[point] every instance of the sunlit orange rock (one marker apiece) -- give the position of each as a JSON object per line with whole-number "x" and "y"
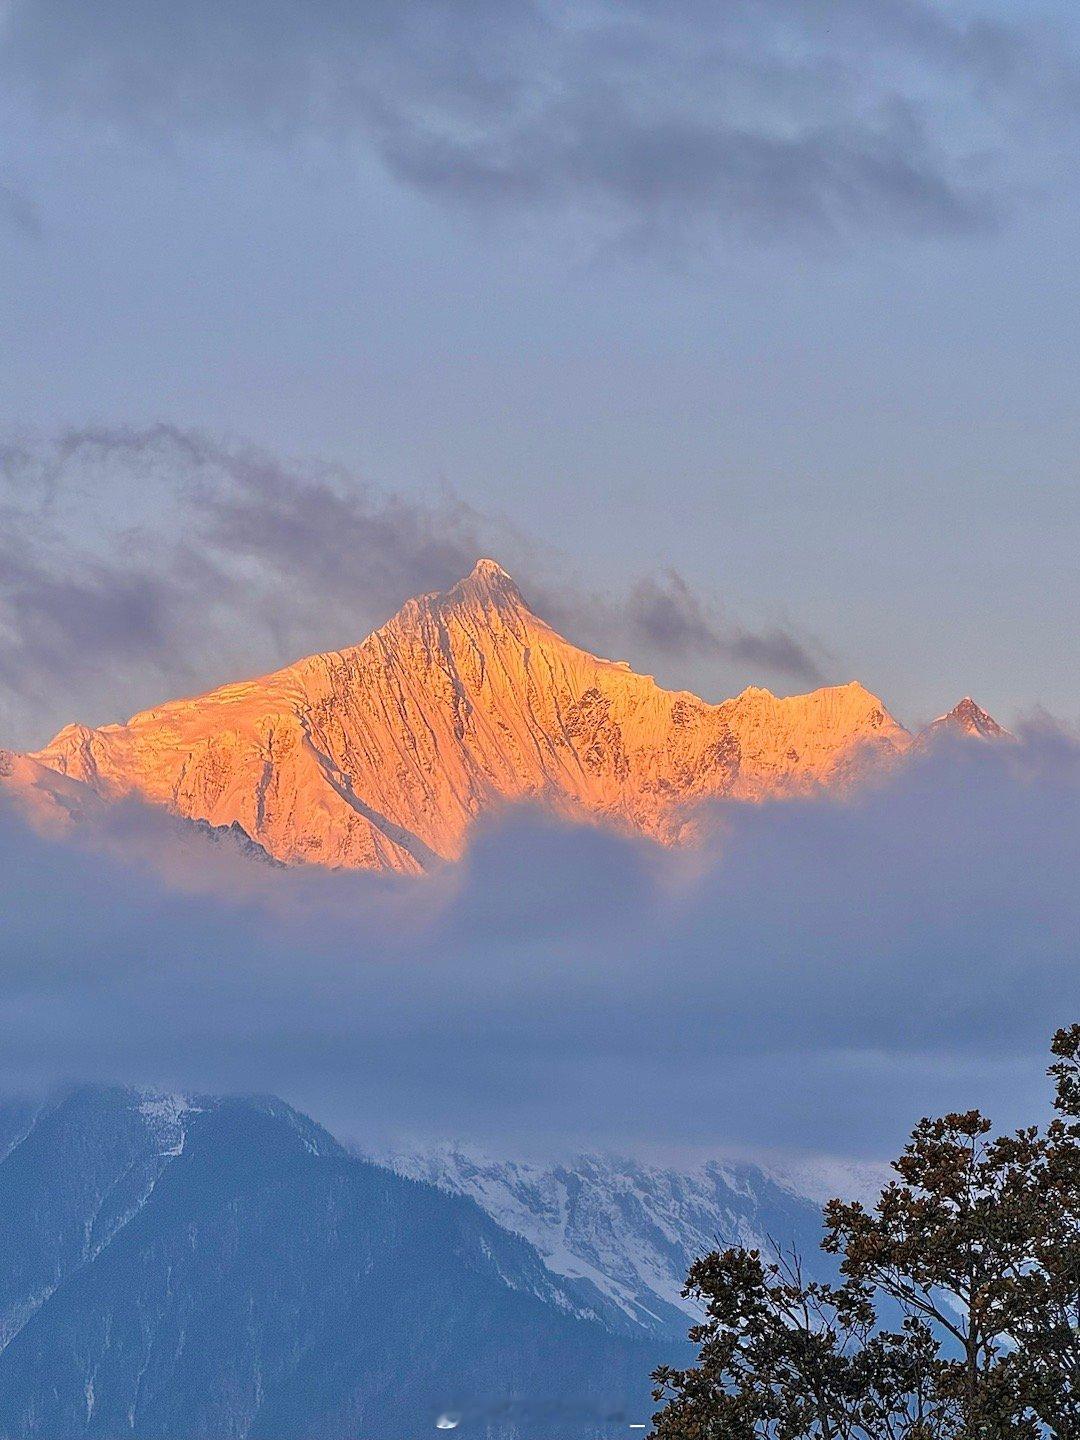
{"x": 382, "y": 755}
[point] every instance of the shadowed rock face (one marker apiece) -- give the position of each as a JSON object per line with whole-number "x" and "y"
{"x": 381, "y": 756}
{"x": 192, "y": 1268}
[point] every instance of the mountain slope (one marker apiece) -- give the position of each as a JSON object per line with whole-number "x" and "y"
{"x": 48, "y": 799}
{"x": 382, "y": 755}
{"x": 627, "y": 1230}
{"x": 58, "y": 805}
{"x": 200, "y": 1268}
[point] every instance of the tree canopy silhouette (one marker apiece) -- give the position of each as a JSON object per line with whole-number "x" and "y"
{"x": 972, "y": 1254}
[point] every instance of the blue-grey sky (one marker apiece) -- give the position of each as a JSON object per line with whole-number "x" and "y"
{"x": 760, "y": 315}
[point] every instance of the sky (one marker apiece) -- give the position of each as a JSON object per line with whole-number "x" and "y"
{"x": 759, "y": 316}
{"x": 745, "y": 337}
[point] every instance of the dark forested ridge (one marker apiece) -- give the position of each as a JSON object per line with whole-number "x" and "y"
{"x": 224, "y": 1268}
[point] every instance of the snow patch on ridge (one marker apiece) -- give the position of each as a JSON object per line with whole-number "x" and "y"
{"x": 165, "y": 1115}
{"x": 622, "y": 1228}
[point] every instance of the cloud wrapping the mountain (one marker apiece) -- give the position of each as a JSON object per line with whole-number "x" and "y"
{"x": 221, "y": 560}
{"x": 821, "y": 974}
{"x": 659, "y": 123}
{"x": 241, "y": 562}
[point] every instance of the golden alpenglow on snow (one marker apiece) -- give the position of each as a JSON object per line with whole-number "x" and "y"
{"x": 380, "y": 756}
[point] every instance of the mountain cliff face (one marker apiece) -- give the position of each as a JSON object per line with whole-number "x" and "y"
{"x": 191, "y": 1268}
{"x": 382, "y": 755}
{"x": 196, "y": 1266}
{"x": 55, "y": 804}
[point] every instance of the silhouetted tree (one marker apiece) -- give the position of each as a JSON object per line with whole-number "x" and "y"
{"x": 976, "y": 1246}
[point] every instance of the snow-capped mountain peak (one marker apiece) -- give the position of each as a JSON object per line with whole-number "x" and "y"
{"x": 382, "y": 755}
{"x": 967, "y": 718}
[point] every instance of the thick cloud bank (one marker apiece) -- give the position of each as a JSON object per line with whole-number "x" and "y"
{"x": 822, "y": 975}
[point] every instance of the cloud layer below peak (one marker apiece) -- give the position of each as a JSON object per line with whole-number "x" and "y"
{"x": 825, "y": 974}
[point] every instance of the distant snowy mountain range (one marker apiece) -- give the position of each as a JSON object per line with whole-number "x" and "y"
{"x": 186, "y": 1268}
{"x": 383, "y": 755}
{"x": 626, "y": 1230}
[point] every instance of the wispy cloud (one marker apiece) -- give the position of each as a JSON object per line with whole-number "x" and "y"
{"x": 670, "y": 617}
{"x": 659, "y": 122}
{"x": 242, "y": 561}
{"x": 239, "y": 561}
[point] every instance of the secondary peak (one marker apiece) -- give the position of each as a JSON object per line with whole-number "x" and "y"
{"x": 970, "y": 719}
